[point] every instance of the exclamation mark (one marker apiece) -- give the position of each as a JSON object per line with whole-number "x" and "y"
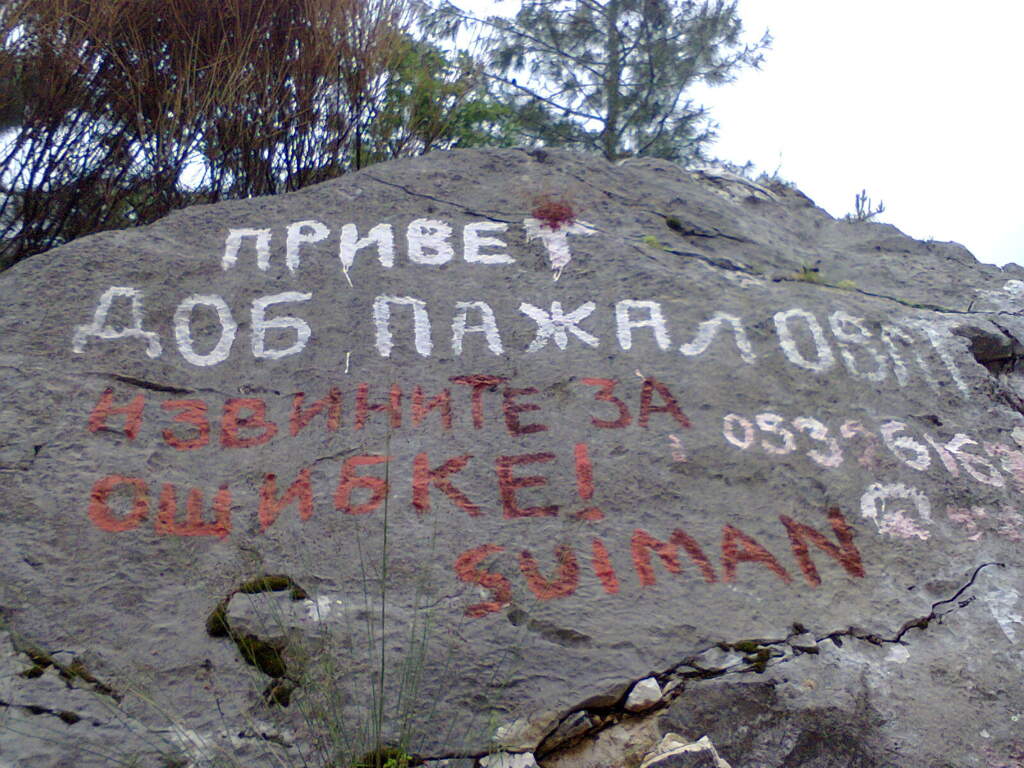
{"x": 585, "y": 483}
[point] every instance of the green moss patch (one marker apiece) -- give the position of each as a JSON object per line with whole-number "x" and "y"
{"x": 279, "y": 692}
{"x": 266, "y": 657}
{"x": 385, "y": 757}
{"x": 272, "y": 583}
{"x": 217, "y": 622}
{"x": 745, "y": 646}
{"x": 261, "y": 654}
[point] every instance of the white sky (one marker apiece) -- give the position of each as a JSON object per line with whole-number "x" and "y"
{"x": 917, "y": 101}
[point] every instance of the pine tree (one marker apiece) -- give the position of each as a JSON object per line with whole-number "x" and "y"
{"x": 612, "y": 75}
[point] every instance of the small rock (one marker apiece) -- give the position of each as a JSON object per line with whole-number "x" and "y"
{"x": 673, "y": 751}
{"x": 525, "y": 733}
{"x": 620, "y": 744}
{"x": 644, "y": 695}
{"x": 671, "y": 685}
{"x": 716, "y": 659}
{"x": 509, "y": 760}
{"x": 572, "y": 726}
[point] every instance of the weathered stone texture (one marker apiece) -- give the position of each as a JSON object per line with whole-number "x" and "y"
{"x": 535, "y": 428}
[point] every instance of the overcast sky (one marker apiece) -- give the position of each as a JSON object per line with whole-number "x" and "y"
{"x": 917, "y": 101}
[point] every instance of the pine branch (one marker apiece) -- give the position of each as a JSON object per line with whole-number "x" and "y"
{"x": 534, "y": 95}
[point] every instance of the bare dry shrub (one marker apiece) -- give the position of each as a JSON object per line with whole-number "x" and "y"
{"x": 108, "y": 102}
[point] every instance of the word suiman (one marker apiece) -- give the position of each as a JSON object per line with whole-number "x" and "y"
{"x": 736, "y": 547}
{"x": 894, "y": 351}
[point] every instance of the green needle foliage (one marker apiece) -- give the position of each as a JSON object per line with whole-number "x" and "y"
{"x": 611, "y": 75}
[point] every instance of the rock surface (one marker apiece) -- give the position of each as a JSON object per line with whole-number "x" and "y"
{"x": 494, "y": 436}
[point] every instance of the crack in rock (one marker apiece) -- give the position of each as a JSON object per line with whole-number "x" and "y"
{"x": 721, "y": 263}
{"x": 334, "y": 456}
{"x": 678, "y": 227}
{"x": 731, "y": 658}
{"x": 999, "y": 353}
{"x": 151, "y": 385}
{"x": 66, "y": 716}
{"x": 508, "y": 220}
{"x": 920, "y": 622}
{"x": 168, "y": 388}
{"x": 266, "y": 736}
{"x": 75, "y": 672}
{"x": 862, "y": 292}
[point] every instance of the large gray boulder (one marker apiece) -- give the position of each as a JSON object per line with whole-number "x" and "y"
{"x": 452, "y": 453}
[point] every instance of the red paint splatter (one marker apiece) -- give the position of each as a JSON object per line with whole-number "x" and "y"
{"x": 554, "y": 212}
